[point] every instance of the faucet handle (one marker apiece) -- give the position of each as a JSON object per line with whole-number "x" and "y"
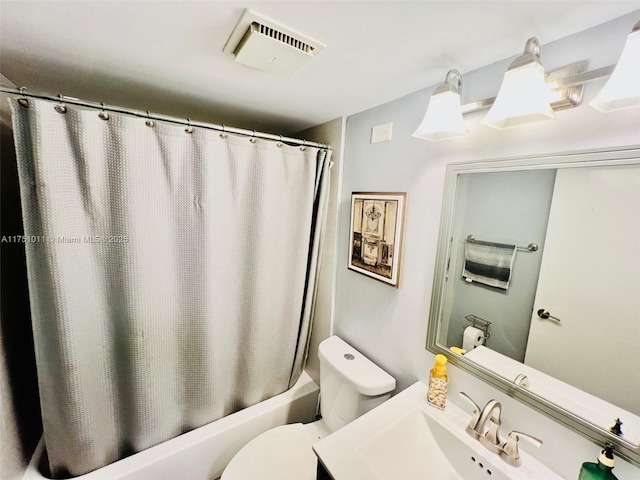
{"x": 475, "y": 416}
{"x": 510, "y": 451}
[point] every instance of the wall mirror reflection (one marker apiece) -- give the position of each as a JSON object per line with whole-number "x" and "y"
{"x": 538, "y": 281}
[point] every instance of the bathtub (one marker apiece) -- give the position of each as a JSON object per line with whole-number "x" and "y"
{"x": 203, "y": 453}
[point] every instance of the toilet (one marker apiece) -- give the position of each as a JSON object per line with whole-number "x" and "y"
{"x": 350, "y": 386}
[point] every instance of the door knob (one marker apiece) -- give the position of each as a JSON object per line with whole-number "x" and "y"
{"x": 544, "y": 314}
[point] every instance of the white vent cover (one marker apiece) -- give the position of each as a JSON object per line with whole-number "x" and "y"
{"x": 261, "y": 43}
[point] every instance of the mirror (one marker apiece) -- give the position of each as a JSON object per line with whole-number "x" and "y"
{"x": 537, "y": 276}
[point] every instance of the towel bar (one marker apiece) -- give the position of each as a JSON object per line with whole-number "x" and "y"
{"x": 532, "y": 247}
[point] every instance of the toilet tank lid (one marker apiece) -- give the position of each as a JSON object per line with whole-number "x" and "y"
{"x": 368, "y": 378}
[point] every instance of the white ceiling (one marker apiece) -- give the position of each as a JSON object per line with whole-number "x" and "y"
{"x": 166, "y": 56}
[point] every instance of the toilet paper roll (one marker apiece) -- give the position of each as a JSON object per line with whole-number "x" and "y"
{"x": 472, "y": 338}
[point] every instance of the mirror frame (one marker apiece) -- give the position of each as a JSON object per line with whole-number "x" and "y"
{"x": 619, "y": 156}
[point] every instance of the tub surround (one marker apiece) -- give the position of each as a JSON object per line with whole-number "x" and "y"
{"x": 203, "y": 453}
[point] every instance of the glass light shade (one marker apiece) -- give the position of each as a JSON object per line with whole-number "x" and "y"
{"x": 622, "y": 90}
{"x": 443, "y": 118}
{"x": 523, "y": 98}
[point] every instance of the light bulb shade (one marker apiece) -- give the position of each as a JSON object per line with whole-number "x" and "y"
{"x": 443, "y": 119}
{"x": 622, "y": 90}
{"x": 523, "y": 98}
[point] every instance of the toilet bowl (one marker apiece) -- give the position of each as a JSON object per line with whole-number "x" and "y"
{"x": 350, "y": 385}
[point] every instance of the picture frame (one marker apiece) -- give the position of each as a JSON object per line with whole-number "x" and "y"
{"x": 376, "y": 235}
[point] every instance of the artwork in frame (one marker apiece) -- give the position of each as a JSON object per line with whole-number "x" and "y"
{"x": 376, "y": 233}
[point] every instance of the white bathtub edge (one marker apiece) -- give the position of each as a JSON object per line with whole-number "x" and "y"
{"x": 203, "y": 453}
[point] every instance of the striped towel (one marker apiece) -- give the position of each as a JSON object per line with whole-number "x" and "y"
{"x": 488, "y": 263}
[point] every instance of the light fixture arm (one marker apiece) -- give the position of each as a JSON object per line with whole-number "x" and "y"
{"x": 532, "y": 46}
{"x": 585, "y": 77}
{"x": 447, "y": 86}
{"x": 531, "y": 54}
{"x": 455, "y": 73}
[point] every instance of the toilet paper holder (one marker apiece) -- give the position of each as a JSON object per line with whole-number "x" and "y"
{"x": 479, "y": 323}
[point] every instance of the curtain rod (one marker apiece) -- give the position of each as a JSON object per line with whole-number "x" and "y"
{"x": 163, "y": 118}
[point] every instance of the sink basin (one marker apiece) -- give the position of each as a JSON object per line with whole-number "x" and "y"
{"x": 406, "y": 438}
{"x": 417, "y": 447}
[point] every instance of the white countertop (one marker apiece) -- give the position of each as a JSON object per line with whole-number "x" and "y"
{"x": 339, "y": 451}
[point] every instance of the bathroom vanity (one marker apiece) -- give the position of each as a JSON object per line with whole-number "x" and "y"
{"x": 407, "y": 438}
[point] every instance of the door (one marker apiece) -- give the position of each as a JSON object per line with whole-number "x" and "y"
{"x": 590, "y": 275}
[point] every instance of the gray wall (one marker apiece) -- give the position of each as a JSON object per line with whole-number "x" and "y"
{"x": 503, "y": 207}
{"x": 389, "y": 325}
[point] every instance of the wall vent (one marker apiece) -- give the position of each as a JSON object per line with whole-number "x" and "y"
{"x": 263, "y": 44}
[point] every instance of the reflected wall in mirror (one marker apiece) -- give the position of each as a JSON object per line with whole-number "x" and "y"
{"x": 567, "y": 314}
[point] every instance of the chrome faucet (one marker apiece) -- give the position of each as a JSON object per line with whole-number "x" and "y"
{"x": 477, "y": 426}
{"x": 490, "y": 437}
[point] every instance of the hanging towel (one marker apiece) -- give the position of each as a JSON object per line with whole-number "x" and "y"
{"x": 488, "y": 263}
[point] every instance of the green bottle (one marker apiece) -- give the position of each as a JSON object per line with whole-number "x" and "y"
{"x": 600, "y": 470}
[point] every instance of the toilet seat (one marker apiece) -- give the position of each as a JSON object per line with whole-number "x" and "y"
{"x": 282, "y": 453}
{"x": 351, "y": 385}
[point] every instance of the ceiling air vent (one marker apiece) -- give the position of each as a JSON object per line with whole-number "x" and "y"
{"x": 279, "y": 36}
{"x": 263, "y": 44}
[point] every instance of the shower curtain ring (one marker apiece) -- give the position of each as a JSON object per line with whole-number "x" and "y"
{"x": 189, "y": 128}
{"x": 60, "y": 108}
{"x": 223, "y": 134}
{"x": 303, "y": 147}
{"x": 149, "y": 123}
{"x": 253, "y": 137}
{"x": 23, "y": 100}
{"x": 103, "y": 115}
{"x": 279, "y": 144}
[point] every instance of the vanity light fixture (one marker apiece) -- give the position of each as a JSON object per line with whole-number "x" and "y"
{"x": 443, "y": 118}
{"x": 622, "y": 90}
{"x": 527, "y": 95}
{"x": 524, "y": 96}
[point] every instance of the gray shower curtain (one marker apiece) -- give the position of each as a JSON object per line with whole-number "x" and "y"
{"x": 171, "y": 275}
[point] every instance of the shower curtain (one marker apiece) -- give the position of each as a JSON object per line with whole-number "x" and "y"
{"x": 171, "y": 275}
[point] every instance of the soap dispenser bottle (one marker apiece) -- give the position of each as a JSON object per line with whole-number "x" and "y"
{"x": 600, "y": 470}
{"x": 438, "y": 383}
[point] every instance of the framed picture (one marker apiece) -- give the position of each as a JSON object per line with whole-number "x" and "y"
{"x": 375, "y": 240}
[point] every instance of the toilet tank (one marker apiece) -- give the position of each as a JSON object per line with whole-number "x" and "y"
{"x": 350, "y": 383}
